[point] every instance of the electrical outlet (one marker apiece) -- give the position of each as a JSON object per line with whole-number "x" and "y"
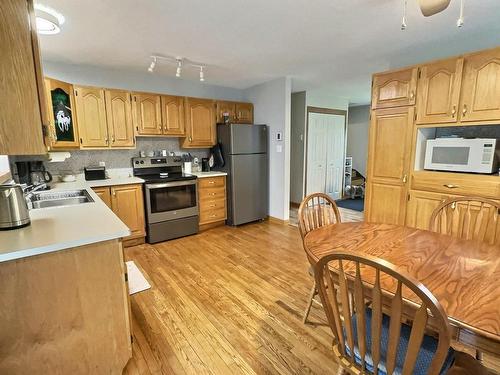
{"x": 102, "y": 164}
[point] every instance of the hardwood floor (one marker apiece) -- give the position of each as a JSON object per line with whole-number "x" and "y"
{"x": 228, "y": 301}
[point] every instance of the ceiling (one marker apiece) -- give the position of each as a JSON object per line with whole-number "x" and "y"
{"x": 334, "y": 43}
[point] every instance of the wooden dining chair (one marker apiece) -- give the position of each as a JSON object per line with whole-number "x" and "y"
{"x": 471, "y": 218}
{"x": 315, "y": 211}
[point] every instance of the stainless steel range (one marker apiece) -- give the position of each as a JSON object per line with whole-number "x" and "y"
{"x": 170, "y": 198}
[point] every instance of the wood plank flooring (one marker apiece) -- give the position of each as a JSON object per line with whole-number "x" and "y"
{"x": 229, "y": 301}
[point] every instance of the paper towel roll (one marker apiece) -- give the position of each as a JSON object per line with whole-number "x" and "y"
{"x": 55, "y": 157}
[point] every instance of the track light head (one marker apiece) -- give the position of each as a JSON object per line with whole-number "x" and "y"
{"x": 179, "y": 68}
{"x": 202, "y": 74}
{"x": 152, "y": 66}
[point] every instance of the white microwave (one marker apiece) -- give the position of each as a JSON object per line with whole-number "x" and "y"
{"x": 475, "y": 155}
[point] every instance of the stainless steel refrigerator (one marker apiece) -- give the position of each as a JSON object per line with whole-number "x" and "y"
{"x": 244, "y": 150}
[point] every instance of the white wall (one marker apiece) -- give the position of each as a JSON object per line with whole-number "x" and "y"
{"x": 357, "y": 136}
{"x": 297, "y": 147}
{"x": 136, "y": 80}
{"x": 324, "y": 98}
{"x": 272, "y": 106}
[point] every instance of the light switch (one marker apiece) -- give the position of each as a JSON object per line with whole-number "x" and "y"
{"x": 279, "y": 148}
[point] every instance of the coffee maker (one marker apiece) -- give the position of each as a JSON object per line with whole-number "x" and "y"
{"x": 32, "y": 172}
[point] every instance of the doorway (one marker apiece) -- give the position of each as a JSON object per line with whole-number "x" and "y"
{"x": 325, "y": 151}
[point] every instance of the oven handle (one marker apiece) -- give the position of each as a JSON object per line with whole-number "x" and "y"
{"x": 170, "y": 184}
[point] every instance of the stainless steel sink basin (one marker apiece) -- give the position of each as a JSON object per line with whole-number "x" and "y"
{"x": 58, "y": 198}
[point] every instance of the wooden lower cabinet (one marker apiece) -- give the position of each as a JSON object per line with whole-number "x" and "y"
{"x": 212, "y": 200}
{"x": 421, "y": 205}
{"x": 127, "y": 203}
{"x": 65, "y": 312}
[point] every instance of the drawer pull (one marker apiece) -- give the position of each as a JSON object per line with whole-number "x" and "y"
{"x": 213, "y": 194}
{"x": 451, "y": 186}
{"x": 213, "y": 205}
{"x": 214, "y": 215}
{"x": 211, "y": 182}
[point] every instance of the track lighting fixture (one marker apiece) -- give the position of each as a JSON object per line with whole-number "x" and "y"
{"x": 179, "y": 68}
{"x": 432, "y": 7}
{"x": 180, "y": 63}
{"x": 403, "y": 20}
{"x": 460, "y": 21}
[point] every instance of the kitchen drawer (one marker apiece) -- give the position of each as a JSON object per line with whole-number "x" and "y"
{"x": 212, "y": 215}
{"x": 211, "y": 182}
{"x": 212, "y": 204}
{"x": 211, "y": 193}
{"x": 457, "y": 183}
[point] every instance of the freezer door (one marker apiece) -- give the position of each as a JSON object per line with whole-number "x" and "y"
{"x": 248, "y": 139}
{"x": 248, "y": 188}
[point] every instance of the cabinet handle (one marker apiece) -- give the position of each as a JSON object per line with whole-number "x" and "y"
{"x": 454, "y": 111}
{"x": 113, "y": 139}
{"x": 214, "y": 215}
{"x": 211, "y": 182}
{"x": 464, "y": 110}
{"x": 212, "y": 205}
{"x": 212, "y": 194}
{"x": 190, "y": 139}
{"x": 412, "y": 94}
{"x": 114, "y": 193}
{"x": 451, "y": 186}
{"x": 405, "y": 178}
{"x": 106, "y": 140}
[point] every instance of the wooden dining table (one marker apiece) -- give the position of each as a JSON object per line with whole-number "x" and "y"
{"x": 463, "y": 275}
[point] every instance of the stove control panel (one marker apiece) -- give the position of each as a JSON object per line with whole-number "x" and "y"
{"x": 161, "y": 161}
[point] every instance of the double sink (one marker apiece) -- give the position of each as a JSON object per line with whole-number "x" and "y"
{"x": 44, "y": 199}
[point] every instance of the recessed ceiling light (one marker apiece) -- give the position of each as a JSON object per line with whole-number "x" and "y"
{"x": 48, "y": 20}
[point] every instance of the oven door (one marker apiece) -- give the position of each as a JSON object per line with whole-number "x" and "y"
{"x": 171, "y": 200}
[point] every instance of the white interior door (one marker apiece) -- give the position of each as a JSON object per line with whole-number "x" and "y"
{"x": 325, "y": 154}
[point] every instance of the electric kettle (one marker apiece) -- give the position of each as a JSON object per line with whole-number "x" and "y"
{"x": 14, "y": 211}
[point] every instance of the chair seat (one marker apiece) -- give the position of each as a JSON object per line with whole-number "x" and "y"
{"x": 425, "y": 355}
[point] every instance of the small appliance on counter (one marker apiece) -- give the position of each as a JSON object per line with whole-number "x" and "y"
{"x": 93, "y": 173}
{"x": 205, "y": 166}
{"x": 32, "y": 173}
{"x": 14, "y": 211}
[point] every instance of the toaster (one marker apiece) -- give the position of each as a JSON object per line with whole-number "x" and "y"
{"x": 95, "y": 173}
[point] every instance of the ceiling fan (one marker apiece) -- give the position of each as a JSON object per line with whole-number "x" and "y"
{"x": 432, "y": 7}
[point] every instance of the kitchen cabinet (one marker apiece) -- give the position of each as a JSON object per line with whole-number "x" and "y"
{"x": 172, "y": 114}
{"x": 244, "y": 113}
{"x": 200, "y": 123}
{"x": 63, "y": 128}
{"x": 394, "y": 89}
{"x": 389, "y": 149}
{"x": 22, "y": 94}
{"x": 119, "y": 118}
{"x": 127, "y": 203}
{"x": 222, "y": 107}
{"x": 438, "y": 92}
{"x": 421, "y": 205}
{"x": 481, "y": 87}
{"x": 212, "y": 200}
{"x": 146, "y": 110}
{"x": 91, "y": 114}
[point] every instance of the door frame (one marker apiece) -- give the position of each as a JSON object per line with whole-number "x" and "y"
{"x": 325, "y": 111}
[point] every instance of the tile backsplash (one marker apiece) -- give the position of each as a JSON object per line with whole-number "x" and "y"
{"x": 113, "y": 158}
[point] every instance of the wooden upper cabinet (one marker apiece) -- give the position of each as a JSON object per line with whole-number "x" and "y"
{"x": 225, "y": 107}
{"x": 147, "y": 114}
{"x": 200, "y": 123}
{"x": 394, "y": 89}
{"x": 22, "y": 97}
{"x": 119, "y": 118}
{"x": 63, "y": 129}
{"x": 244, "y": 113}
{"x": 438, "y": 93}
{"x": 91, "y": 114}
{"x": 481, "y": 87}
{"x": 127, "y": 204}
{"x": 388, "y": 165}
{"x": 172, "y": 114}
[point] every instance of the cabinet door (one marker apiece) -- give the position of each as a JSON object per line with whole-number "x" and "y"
{"x": 226, "y": 107}
{"x": 127, "y": 204}
{"x": 421, "y": 205}
{"x": 172, "y": 113}
{"x": 119, "y": 118}
{"x": 91, "y": 114}
{"x": 104, "y": 193}
{"x": 62, "y": 117}
{"x": 388, "y": 164}
{"x": 21, "y": 83}
{"x": 439, "y": 91}
{"x": 200, "y": 123}
{"x": 147, "y": 114}
{"x": 244, "y": 113}
{"x": 394, "y": 89}
{"x": 481, "y": 87}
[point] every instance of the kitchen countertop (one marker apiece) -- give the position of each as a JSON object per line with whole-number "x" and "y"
{"x": 58, "y": 228}
{"x": 209, "y": 174}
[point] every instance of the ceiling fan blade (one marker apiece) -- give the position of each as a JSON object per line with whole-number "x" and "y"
{"x": 431, "y": 7}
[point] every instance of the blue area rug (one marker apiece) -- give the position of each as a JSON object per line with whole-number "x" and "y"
{"x": 357, "y": 204}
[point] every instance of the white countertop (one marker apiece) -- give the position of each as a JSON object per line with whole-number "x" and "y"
{"x": 209, "y": 174}
{"x": 58, "y": 228}
{"x": 119, "y": 176}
